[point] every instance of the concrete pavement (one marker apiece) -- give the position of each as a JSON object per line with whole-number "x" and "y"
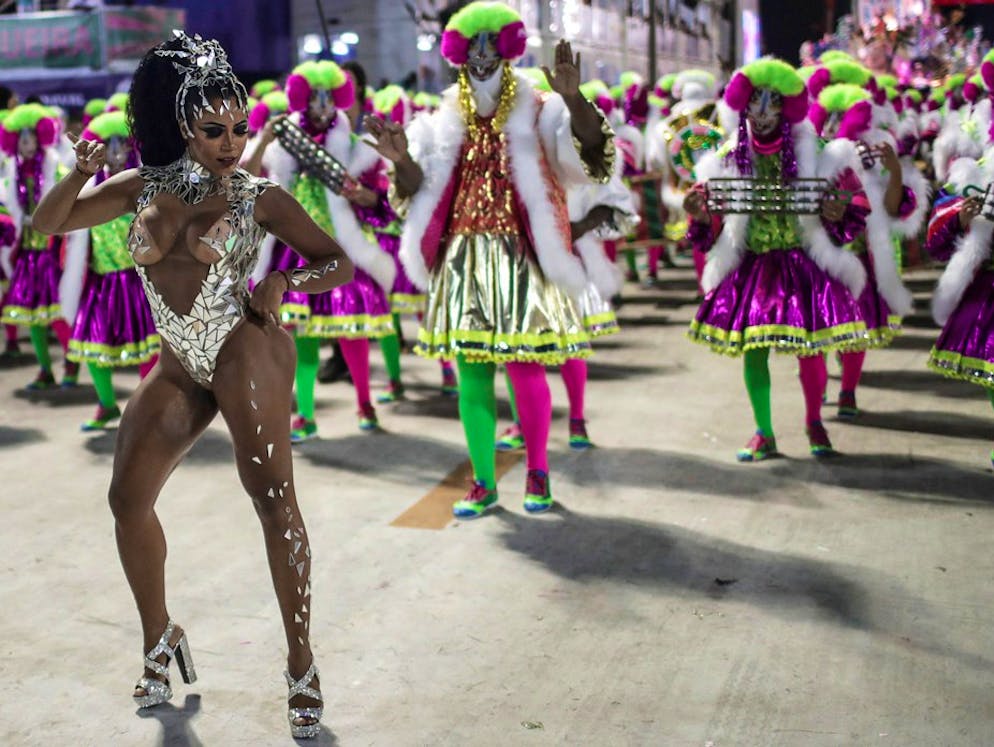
{"x": 675, "y": 597}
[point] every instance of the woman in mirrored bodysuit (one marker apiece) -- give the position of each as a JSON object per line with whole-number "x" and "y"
{"x": 195, "y": 239}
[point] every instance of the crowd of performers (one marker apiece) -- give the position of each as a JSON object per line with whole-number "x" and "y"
{"x": 495, "y": 214}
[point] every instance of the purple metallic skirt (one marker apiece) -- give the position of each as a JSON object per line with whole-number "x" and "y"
{"x": 965, "y": 348}
{"x": 405, "y": 298}
{"x": 33, "y": 295}
{"x": 780, "y": 300}
{"x": 359, "y": 309}
{"x": 114, "y": 324}
{"x": 882, "y": 326}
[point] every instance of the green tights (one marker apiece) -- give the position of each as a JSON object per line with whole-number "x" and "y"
{"x": 478, "y": 413}
{"x": 39, "y": 340}
{"x": 101, "y": 376}
{"x": 390, "y": 346}
{"x": 757, "y": 381}
{"x": 308, "y": 362}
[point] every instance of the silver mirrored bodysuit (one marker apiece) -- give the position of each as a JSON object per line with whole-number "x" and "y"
{"x": 196, "y": 337}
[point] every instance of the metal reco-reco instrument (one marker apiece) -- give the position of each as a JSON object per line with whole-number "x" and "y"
{"x": 312, "y": 157}
{"x": 750, "y": 196}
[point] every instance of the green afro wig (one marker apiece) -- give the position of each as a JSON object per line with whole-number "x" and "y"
{"x": 94, "y": 107}
{"x": 594, "y": 88}
{"x": 840, "y": 97}
{"x": 834, "y": 55}
{"x": 777, "y": 75}
{"x": 118, "y": 101}
{"x": 482, "y": 17}
{"x": 108, "y": 125}
{"x": 261, "y": 87}
{"x": 26, "y": 117}
{"x": 322, "y": 75}
{"x": 848, "y": 71}
{"x": 957, "y": 80}
{"x": 537, "y": 78}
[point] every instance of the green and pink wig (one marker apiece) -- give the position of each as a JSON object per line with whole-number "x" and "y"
{"x": 118, "y": 102}
{"x": 987, "y": 70}
{"x": 105, "y": 127}
{"x": 852, "y": 103}
{"x": 34, "y": 117}
{"x": 776, "y": 75}
{"x": 597, "y": 92}
{"x": 261, "y": 87}
{"x": 322, "y": 75}
{"x": 270, "y": 105}
{"x": 93, "y": 108}
{"x": 393, "y": 104}
{"x": 484, "y": 18}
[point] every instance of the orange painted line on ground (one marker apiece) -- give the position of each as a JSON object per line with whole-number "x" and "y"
{"x": 434, "y": 509}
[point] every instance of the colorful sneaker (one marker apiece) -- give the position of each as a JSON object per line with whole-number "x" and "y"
{"x": 394, "y": 393}
{"x": 450, "y": 386}
{"x": 578, "y": 438}
{"x": 302, "y": 429}
{"x": 847, "y": 405}
{"x": 818, "y": 440}
{"x": 759, "y": 448}
{"x": 511, "y": 439}
{"x": 44, "y": 380}
{"x": 477, "y": 502}
{"x": 104, "y": 417}
{"x": 367, "y": 418}
{"x": 70, "y": 378}
{"x": 538, "y": 496}
{"x": 650, "y": 281}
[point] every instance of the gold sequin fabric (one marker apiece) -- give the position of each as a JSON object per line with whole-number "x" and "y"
{"x": 484, "y": 201}
{"x": 196, "y": 337}
{"x": 489, "y": 301}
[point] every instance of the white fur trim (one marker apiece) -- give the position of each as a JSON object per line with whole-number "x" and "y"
{"x": 913, "y": 179}
{"x": 878, "y": 243}
{"x": 632, "y": 135}
{"x": 74, "y": 274}
{"x": 435, "y": 140}
{"x": 6, "y": 252}
{"x": 11, "y": 201}
{"x": 972, "y": 249}
{"x": 605, "y": 275}
{"x": 551, "y": 247}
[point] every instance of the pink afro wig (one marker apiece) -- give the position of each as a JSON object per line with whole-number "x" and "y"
{"x": 819, "y": 79}
{"x": 987, "y": 73}
{"x": 258, "y": 116}
{"x": 511, "y": 42}
{"x": 855, "y": 121}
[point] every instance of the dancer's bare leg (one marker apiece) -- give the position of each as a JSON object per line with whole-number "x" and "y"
{"x": 163, "y": 419}
{"x": 253, "y": 385}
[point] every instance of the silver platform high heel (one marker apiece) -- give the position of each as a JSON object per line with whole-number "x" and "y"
{"x": 158, "y": 691}
{"x": 302, "y": 687}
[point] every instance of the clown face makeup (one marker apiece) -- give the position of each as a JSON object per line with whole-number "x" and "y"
{"x": 483, "y": 59}
{"x": 116, "y": 155}
{"x": 831, "y": 127}
{"x": 763, "y": 112}
{"x": 321, "y": 109}
{"x": 27, "y": 144}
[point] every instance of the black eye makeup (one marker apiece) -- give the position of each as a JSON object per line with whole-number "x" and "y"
{"x": 241, "y": 128}
{"x": 212, "y": 131}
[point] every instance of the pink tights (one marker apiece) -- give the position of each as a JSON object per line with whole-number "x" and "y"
{"x": 814, "y": 379}
{"x": 144, "y": 369}
{"x": 356, "y": 353}
{"x": 574, "y": 373}
{"x": 852, "y": 369}
{"x": 62, "y": 331}
{"x": 531, "y": 391}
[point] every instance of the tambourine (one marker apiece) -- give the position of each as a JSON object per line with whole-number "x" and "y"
{"x": 688, "y": 137}
{"x": 746, "y": 196}
{"x": 312, "y": 157}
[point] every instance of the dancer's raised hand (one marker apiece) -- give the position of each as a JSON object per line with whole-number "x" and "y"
{"x": 390, "y": 140}
{"x": 564, "y": 79}
{"x": 90, "y": 155}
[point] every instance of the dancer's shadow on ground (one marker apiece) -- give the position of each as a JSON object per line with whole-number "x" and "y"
{"x": 9, "y": 362}
{"x": 923, "y": 380}
{"x": 673, "y": 471}
{"x": 177, "y": 727}
{"x": 895, "y": 477}
{"x": 19, "y": 436}
{"x": 911, "y": 342}
{"x": 81, "y": 394}
{"x": 934, "y": 422}
{"x": 598, "y": 370}
{"x": 392, "y": 456}
{"x": 584, "y": 548}
{"x": 213, "y": 447}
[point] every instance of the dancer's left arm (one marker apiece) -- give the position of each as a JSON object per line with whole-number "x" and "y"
{"x": 845, "y": 219}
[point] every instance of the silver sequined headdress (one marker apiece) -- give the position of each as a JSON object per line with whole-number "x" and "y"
{"x": 202, "y": 64}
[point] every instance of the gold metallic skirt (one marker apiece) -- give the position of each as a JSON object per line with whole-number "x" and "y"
{"x": 490, "y": 302}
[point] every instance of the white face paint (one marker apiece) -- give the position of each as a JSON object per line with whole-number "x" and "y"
{"x": 483, "y": 57}
{"x": 116, "y": 155}
{"x": 764, "y": 111}
{"x": 27, "y": 144}
{"x": 321, "y": 109}
{"x": 486, "y": 92}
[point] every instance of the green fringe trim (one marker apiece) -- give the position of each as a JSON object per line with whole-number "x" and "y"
{"x": 356, "y": 327}
{"x": 115, "y": 356}
{"x": 25, "y": 317}
{"x": 956, "y": 366}
{"x": 780, "y": 337}
{"x": 479, "y": 345}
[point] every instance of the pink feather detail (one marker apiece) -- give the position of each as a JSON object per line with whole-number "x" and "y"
{"x": 795, "y": 108}
{"x": 817, "y": 115}
{"x": 738, "y": 92}
{"x": 987, "y": 73}
{"x": 818, "y": 81}
{"x": 856, "y": 121}
{"x": 258, "y": 116}
{"x": 344, "y": 95}
{"x": 47, "y": 130}
{"x": 298, "y": 93}
{"x": 511, "y": 41}
{"x": 455, "y": 47}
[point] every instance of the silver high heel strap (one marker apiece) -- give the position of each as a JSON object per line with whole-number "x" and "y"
{"x": 162, "y": 647}
{"x": 302, "y": 686}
